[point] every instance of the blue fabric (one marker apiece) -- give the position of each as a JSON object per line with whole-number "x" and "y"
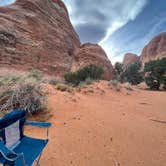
{"x": 11, "y": 118}
{"x": 6, "y": 153}
{"x": 38, "y": 124}
{"x": 31, "y": 148}
{"x": 2, "y": 136}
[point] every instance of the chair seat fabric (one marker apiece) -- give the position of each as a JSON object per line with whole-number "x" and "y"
{"x": 31, "y": 148}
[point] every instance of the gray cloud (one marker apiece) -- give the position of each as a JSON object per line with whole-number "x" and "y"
{"x": 103, "y": 17}
{"x": 96, "y": 20}
{"x": 90, "y": 33}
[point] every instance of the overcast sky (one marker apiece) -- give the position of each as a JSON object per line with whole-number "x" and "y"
{"x": 119, "y": 26}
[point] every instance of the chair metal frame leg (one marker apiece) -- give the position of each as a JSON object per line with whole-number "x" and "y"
{"x": 23, "y": 159}
{"x": 38, "y": 160}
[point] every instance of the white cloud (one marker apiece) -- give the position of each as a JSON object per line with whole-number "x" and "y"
{"x": 107, "y": 16}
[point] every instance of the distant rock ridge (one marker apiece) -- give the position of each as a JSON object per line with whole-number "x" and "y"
{"x": 38, "y": 34}
{"x": 129, "y": 59}
{"x": 155, "y": 49}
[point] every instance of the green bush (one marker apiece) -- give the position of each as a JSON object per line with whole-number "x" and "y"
{"x": 91, "y": 72}
{"x": 164, "y": 83}
{"x": 118, "y": 68}
{"x": 156, "y": 73}
{"x": 132, "y": 74}
{"x": 152, "y": 82}
{"x": 72, "y": 78}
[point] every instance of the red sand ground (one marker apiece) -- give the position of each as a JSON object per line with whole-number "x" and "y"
{"x": 102, "y": 127}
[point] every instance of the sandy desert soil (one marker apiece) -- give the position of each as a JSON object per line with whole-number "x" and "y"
{"x": 102, "y": 127}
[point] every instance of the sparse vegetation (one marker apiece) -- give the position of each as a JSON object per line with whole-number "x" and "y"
{"x": 22, "y": 92}
{"x": 128, "y": 86}
{"x": 8, "y": 80}
{"x": 164, "y": 83}
{"x": 132, "y": 74}
{"x": 88, "y": 81}
{"x": 54, "y": 82}
{"x": 90, "y": 72}
{"x": 35, "y": 74}
{"x": 155, "y": 74}
{"x": 152, "y": 82}
{"x": 23, "y": 96}
{"x": 116, "y": 84}
{"x": 64, "y": 88}
{"x": 118, "y": 70}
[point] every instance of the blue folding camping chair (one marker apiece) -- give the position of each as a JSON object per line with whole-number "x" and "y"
{"x": 16, "y": 149}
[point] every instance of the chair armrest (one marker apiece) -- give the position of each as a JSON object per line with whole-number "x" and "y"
{"x": 38, "y": 124}
{"x": 7, "y": 154}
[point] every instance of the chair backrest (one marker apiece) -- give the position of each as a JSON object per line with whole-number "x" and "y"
{"x": 11, "y": 127}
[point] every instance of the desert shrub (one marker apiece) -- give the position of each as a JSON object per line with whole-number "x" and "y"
{"x": 64, "y": 88}
{"x": 88, "y": 81}
{"x": 36, "y": 74}
{"x": 157, "y": 67}
{"x": 23, "y": 96}
{"x": 72, "y": 78}
{"x": 132, "y": 74}
{"x": 118, "y": 68}
{"x": 9, "y": 80}
{"x": 155, "y": 73}
{"x": 152, "y": 82}
{"x": 116, "y": 84}
{"x": 127, "y": 86}
{"x": 54, "y": 82}
{"x": 92, "y": 72}
{"x": 164, "y": 83}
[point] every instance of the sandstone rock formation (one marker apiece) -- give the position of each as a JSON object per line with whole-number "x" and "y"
{"x": 156, "y": 49}
{"x": 93, "y": 54}
{"x": 38, "y": 34}
{"x": 130, "y": 58}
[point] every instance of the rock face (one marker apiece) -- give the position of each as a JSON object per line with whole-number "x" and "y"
{"x": 38, "y": 34}
{"x": 130, "y": 58}
{"x": 156, "y": 49}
